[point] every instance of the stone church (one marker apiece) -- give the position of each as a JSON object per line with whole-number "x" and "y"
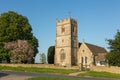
{"x": 69, "y": 52}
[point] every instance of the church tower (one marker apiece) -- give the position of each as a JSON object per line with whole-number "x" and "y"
{"x": 66, "y": 42}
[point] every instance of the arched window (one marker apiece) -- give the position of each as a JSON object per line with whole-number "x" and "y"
{"x": 62, "y": 55}
{"x": 63, "y": 30}
{"x": 82, "y": 60}
{"x": 85, "y": 59}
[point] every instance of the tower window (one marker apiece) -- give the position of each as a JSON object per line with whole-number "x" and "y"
{"x": 83, "y": 50}
{"x": 73, "y": 29}
{"x": 63, "y": 29}
{"x": 62, "y": 40}
{"x": 62, "y": 56}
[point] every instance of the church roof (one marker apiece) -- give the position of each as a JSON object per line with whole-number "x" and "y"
{"x": 96, "y": 49}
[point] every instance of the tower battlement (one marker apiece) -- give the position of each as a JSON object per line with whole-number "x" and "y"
{"x": 66, "y": 20}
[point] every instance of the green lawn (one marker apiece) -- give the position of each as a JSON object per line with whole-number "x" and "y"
{"x": 100, "y": 74}
{"x": 46, "y": 78}
{"x": 35, "y": 69}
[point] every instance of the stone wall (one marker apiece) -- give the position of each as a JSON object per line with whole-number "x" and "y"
{"x": 111, "y": 69}
{"x": 40, "y": 66}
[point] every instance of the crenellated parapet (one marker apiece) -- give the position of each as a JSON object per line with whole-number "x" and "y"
{"x": 66, "y": 20}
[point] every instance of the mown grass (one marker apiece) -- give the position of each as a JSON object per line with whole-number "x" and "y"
{"x": 48, "y": 78}
{"x": 100, "y": 74}
{"x": 42, "y": 70}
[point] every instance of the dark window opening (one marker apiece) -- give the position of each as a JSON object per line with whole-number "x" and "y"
{"x": 63, "y": 29}
{"x": 83, "y": 50}
{"x": 62, "y": 40}
{"x": 82, "y": 60}
{"x": 73, "y": 29}
{"x": 85, "y": 59}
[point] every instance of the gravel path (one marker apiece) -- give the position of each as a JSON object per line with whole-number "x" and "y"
{"x": 75, "y": 74}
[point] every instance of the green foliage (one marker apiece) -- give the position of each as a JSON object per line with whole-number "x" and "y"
{"x": 13, "y": 27}
{"x": 42, "y": 58}
{"x": 100, "y": 74}
{"x": 4, "y": 54}
{"x": 113, "y": 59}
{"x": 34, "y": 42}
{"x": 51, "y": 53}
{"x": 114, "y": 56}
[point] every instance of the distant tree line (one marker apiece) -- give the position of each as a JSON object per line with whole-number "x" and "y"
{"x": 17, "y": 42}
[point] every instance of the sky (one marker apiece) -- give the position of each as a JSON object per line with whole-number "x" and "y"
{"x": 98, "y": 20}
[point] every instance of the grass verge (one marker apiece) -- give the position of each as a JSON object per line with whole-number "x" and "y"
{"x": 100, "y": 74}
{"x": 46, "y": 78}
{"x": 42, "y": 70}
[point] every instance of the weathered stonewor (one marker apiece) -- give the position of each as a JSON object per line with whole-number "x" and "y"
{"x": 40, "y": 66}
{"x": 111, "y": 69}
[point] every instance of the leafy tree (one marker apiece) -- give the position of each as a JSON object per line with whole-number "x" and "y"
{"x": 43, "y": 58}
{"x": 114, "y": 56}
{"x": 51, "y": 53}
{"x": 13, "y": 27}
{"x": 4, "y": 54}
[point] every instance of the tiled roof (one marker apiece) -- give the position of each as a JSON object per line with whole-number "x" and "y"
{"x": 96, "y": 49}
{"x": 101, "y": 57}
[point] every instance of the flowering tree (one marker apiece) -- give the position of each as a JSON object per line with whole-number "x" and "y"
{"x": 21, "y": 51}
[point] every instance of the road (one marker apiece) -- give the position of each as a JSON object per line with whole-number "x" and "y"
{"x": 12, "y": 75}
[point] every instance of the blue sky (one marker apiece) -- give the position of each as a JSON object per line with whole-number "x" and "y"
{"x": 97, "y": 19}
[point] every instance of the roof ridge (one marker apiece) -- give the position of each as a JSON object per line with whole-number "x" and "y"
{"x": 94, "y": 45}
